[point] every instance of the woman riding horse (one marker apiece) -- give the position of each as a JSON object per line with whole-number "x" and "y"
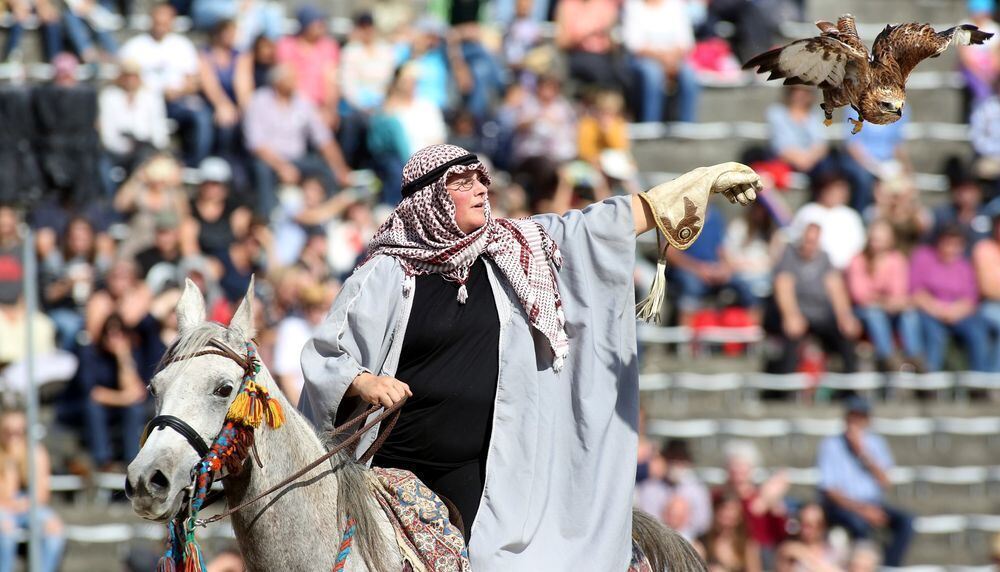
{"x": 515, "y": 340}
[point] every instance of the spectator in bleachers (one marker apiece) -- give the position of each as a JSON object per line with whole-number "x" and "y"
{"x": 71, "y": 269}
{"x": 659, "y": 37}
{"x": 367, "y": 64}
{"x": 878, "y": 282}
{"x": 256, "y": 63}
{"x": 302, "y": 212}
{"x": 750, "y": 246}
{"x": 132, "y": 122}
{"x": 524, "y": 41}
{"x": 124, "y": 296}
{"x": 292, "y": 334}
{"x": 810, "y": 550}
{"x": 216, "y": 216}
{"x": 669, "y": 476}
{"x": 159, "y": 261}
{"x": 169, "y": 63}
{"x": 49, "y": 25}
{"x": 279, "y": 124}
{"x": 853, "y": 478}
{"x": 755, "y": 27}
{"x": 728, "y": 545}
{"x": 965, "y": 206}
{"x": 865, "y": 557}
{"x": 986, "y": 259}
{"x": 253, "y": 18}
{"x": 603, "y": 127}
{"x": 984, "y": 133}
{"x": 220, "y": 77}
{"x": 872, "y": 155}
{"x": 843, "y": 235}
{"x": 484, "y": 75}
{"x": 545, "y": 123}
{"x": 980, "y": 64}
{"x": 796, "y": 131}
{"x": 112, "y": 390}
{"x": 704, "y": 268}
{"x": 763, "y": 505}
{"x": 437, "y": 61}
{"x": 227, "y": 560}
{"x": 810, "y": 297}
{"x": 421, "y": 120}
{"x": 14, "y": 501}
{"x": 89, "y": 22}
{"x": 314, "y": 56}
{"x": 944, "y": 290}
{"x": 153, "y": 189}
{"x": 897, "y": 203}
{"x": 583, "y": 32}
{"x": 349, "y": 237}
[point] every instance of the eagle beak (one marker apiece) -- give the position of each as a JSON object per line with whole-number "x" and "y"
{"x": 899, "y": 111}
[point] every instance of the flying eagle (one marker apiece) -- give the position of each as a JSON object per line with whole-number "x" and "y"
{"x": 873, "y": 84}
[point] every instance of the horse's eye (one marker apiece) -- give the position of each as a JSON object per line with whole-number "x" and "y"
{"x": 150, "y": 389}
{"x": 223, "y": 390}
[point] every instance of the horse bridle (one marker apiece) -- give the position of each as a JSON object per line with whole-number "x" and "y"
{"x": 177, "y": 424}
{"x": 389, "y": 414}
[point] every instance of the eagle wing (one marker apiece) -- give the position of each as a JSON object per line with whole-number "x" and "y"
{"x": 907, "y": 45}
{"x": 824, "y": 61}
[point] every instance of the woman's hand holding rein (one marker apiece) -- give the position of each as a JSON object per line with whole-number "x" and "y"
{"x": 378, "y": 389}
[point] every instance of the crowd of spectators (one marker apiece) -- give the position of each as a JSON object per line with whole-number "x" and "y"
{"x": 239, "y": 149}
{"x": 750, "y": 523}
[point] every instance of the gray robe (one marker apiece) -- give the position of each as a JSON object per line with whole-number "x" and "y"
{"x": 561, "y": 461}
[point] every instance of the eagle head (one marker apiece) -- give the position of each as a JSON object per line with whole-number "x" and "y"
{"x": 882, "y": 104}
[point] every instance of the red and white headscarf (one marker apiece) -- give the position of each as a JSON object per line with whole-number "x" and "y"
{"x": 423, "y": 235}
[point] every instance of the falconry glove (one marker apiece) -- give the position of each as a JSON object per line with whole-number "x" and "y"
{"x": 679, "y": 208}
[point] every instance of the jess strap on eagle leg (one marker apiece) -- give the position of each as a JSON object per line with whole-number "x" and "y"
{"x": 679, "y": 208}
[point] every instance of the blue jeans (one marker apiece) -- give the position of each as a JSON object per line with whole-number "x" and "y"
{"x": 52, "y": 544}
{"x": 652, "y": 84}
{"x": 99, "y": 419}
{"x": 486, "y": 78}
{"x": 264, "y": 18}
{"x": 862, "y": 183}
{"x": 68, "y": 323}
{"x": 900, "y": 525}
{"x": 266, "y": 180}
{"x": 971, "y": 332}
{"x": 879, "y": 325}
{"x": 389, "y": 169}
{"x": 691, "y": 290}
{"x": 197, "y": 128}
{"x": 78, "y": 31}
{"x": 51, "y": 39}
{"x": 990, "y": 311}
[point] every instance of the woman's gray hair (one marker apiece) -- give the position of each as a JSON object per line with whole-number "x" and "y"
{"x": 743, "y": 450}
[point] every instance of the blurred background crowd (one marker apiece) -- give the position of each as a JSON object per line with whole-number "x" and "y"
{"x": 220, "y": 139}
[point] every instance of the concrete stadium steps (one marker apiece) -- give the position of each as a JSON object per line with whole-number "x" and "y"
{"x": 750, "y": 103}
{"x": 936, "y": 11}
{"x": 681, "y": 155}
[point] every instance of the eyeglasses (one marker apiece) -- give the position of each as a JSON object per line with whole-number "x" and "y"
{"x": 462, "y": 186}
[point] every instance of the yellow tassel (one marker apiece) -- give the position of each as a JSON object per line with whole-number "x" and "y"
{"x": 240, "y": 408}
{"x": 275, "y": 416}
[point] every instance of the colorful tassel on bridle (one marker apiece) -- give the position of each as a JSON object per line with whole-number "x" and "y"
{"x": 229, "y": 451}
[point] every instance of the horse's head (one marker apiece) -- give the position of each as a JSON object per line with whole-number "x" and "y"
{"x": 195, "y": 390}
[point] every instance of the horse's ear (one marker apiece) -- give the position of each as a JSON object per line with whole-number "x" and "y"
{"x": 190, "y": 308}
{"x": 241, "y": 326}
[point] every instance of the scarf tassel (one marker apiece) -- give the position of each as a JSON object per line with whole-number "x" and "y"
{"x": 463, "y": 294}
{"x": 650, "y": 308}
{"x": 193, "y": 561}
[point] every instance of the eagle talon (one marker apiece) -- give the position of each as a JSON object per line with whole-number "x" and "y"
{"x": 857, "y": 125}
{"x": 828, "y": 121}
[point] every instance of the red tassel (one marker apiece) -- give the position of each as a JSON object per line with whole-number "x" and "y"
{"x": 192, "y": 556}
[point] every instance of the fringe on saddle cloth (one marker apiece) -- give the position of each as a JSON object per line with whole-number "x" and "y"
{"x": 426, "y": 538}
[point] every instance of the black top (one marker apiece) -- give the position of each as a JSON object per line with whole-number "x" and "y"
{"x": 450, "y": 359}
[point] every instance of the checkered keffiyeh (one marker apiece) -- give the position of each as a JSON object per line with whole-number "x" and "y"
{"x": 423, "y": 235}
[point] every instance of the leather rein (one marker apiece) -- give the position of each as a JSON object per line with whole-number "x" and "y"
{"x": 190, "y": 435}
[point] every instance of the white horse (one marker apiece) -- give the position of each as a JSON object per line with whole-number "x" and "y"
{"x": 299, "y": 528}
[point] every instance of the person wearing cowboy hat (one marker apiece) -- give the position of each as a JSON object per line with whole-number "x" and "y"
{"x": 515, "y": 343}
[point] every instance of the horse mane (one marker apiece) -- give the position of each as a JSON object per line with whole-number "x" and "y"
{"x": 354, "y": 493}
